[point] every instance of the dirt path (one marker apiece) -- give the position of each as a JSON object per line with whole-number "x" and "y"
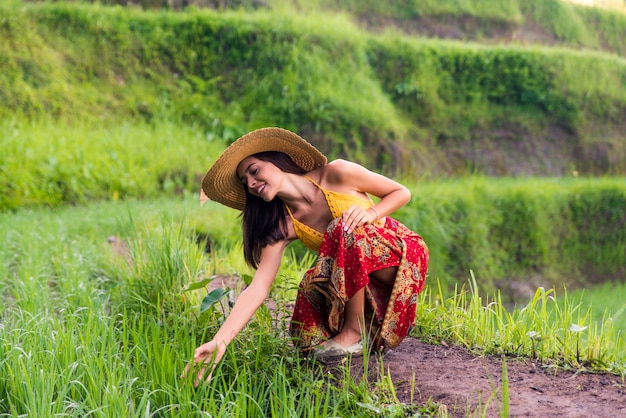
{"x": 464, "y": 382}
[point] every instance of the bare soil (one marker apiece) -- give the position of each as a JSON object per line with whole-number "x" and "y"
{"x": 463, "y": 28}
{"x": 463, "y": 383}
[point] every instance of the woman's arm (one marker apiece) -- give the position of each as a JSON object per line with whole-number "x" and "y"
{"x": 247, "y": 303}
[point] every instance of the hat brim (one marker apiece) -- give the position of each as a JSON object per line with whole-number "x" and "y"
{"x": 221, "y": 183}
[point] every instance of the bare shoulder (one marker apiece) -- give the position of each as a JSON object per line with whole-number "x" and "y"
{"x": 349, "y": 177}
{"x": 338, "y": 171}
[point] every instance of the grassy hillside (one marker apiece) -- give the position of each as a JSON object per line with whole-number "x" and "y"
{"x": 111, "y": 114}
{"x": 525, "y": 22}
{"x": 538, "y": 22}
{"x": 399, "y": 103}
{"x": 111, "y": 102}
{"x": 518, "y": 235}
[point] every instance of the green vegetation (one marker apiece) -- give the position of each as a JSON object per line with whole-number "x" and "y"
{"x": 389, "y": 100}
{"x": 109, "y": 116}
{"x": 542, "y": 232}
{"x": 93, "y": 328}
{"x": 534, "y": 232}
{"x": 45, "y": 163}
{"x": 556, "y": 333}
{"x": 552, "y": 21}
{"x": 88, "y": 330}
{"x": 601, "y": 299}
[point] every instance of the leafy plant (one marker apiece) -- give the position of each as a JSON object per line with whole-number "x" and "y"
{"x": 212, "y": 297}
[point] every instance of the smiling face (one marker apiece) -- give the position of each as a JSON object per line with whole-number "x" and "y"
{"x": 262, "y": 178}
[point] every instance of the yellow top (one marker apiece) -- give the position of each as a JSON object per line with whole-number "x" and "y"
{"x": 338, "y": 203}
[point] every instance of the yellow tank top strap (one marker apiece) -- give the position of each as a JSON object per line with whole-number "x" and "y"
{"x": 339, "y": 202}
{"x": 310, "y": 237}
{"x": 313, "y": 181}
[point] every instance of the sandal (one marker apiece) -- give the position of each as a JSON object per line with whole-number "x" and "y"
{"x": 330, "y": 349}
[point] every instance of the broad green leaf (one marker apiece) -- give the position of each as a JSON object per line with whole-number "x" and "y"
{"x": 212, "y": 298}
{"x": 247, "y": 279}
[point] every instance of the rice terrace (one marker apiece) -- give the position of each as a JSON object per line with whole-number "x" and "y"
{"x": 504, "y": 118}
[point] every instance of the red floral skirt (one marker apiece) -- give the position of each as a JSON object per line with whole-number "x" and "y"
{"x": 342, "y": 268}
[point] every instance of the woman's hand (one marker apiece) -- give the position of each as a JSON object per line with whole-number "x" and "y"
{"x": 356, "y": 216}
{"x": 347, "y": 177}
{"x": 206, "y": 356}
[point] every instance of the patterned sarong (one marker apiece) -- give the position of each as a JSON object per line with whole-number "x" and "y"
{"x": 342, "y": 268}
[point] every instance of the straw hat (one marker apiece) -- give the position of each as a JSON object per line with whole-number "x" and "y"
{"x": 221, "y": 183}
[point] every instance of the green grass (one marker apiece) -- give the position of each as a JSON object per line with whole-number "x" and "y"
{"x": 83, "y": 331}
{"x": 51, "y": 164}
{"x": 602, "y": 300}
{"x": 400, "y": 103}
{"x": 543, "y": 231}
{"x": 560, "y": 332}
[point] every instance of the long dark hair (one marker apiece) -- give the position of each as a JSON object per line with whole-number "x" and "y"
{"x": 265, "y": 223}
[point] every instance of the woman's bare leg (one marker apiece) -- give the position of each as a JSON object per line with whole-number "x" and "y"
{"x": 354, "y": 323}
{"x": 352, "y": 320}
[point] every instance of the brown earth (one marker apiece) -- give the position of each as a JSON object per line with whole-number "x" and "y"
{"x": 462, "y": 28}
{"x": 462, "y": 384}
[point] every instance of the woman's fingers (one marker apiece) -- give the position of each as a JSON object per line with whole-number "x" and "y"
{"x": 353, "y": 217}
{"x": 205, "y": 357}
{"x": 350, "y": 219}
{"x": 202, "y": 374}
{"x": 185, "y": 371}
{"x": 201, "y": 366}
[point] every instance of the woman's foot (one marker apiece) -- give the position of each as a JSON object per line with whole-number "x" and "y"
{"x": 348, "y": 341}
{"x": 347, "y": 337}
{"x": 333, "y": 350}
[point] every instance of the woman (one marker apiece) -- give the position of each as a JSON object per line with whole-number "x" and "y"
{"x": 370, "y": 268}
